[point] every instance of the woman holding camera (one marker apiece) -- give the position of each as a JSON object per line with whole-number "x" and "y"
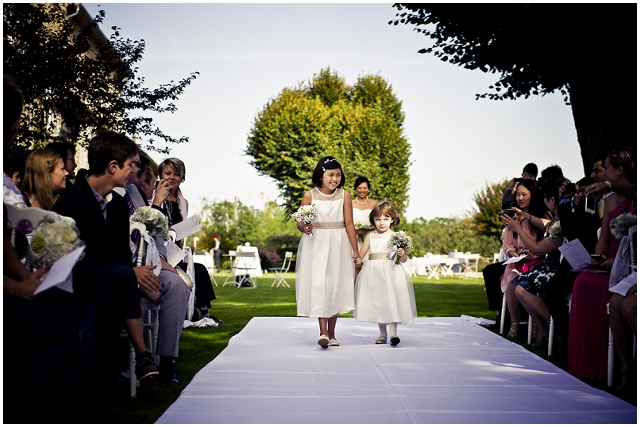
{"x": 531, "y": 217}
{"x": 530, "y": 286}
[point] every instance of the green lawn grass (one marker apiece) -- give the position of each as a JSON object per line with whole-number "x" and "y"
{"x": 237, "y": 306}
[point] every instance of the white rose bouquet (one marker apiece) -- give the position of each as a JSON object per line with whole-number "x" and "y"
{"x": 306, "y": 214}
{"x": 362, "y": 224}
{"x": 154, "y": 220}
{"x": 621, "y": 224}
{"x": 52, "y": 240}
{"x": 399, "y": 239}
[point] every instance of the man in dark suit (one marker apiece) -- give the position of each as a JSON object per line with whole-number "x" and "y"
{"x": 106, "y": 275}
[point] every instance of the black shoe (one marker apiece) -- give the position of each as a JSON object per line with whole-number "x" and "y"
{"x": 167, "y": 370}
{"x": 395, "y": 341}
{"x": 215, "y": 319}
{"x": 145, "y": 367}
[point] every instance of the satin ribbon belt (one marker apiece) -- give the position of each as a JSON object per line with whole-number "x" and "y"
{"x": 379, "y": 256}
{"x": 334, "y": 224}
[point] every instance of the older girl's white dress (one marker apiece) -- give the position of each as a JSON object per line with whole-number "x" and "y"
{"x": 384, "y": 292}
{"x": 324, "y": 266}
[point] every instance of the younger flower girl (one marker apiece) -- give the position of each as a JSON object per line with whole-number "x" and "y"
{"x": 384, "y": 292}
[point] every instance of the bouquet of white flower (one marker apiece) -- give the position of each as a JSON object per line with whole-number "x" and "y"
{"x": 399, "y": 239}
{"x": 621, "y": 224}
{"x": 154, "y": 220}
{"x": 51, "y": 241}
{"x": 362, "y": 224}
{"x": 306, "y": 214}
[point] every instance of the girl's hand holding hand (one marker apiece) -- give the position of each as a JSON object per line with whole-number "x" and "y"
{"x": 357, "y": 260}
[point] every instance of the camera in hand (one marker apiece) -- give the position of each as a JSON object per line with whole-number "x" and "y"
{"x": 509, "y": 212}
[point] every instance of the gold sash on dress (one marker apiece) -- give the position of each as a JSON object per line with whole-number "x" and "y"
{"x": 379, "y": 256}
{"x": 329, "y": 224}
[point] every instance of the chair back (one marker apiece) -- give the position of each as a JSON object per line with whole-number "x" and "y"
{"x": 140, "y": 244}
{"x": 286, "y": 263}
{"x": 26, "y": 220}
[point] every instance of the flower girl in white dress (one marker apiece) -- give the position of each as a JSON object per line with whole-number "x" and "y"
{"x": 327, "y": 253}
{"x": 384, "y": 292}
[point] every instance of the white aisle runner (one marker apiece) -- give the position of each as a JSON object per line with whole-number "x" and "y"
{"x": 445, "y": 370}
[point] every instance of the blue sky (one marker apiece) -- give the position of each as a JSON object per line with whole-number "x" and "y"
{"x": 247, "y": 53}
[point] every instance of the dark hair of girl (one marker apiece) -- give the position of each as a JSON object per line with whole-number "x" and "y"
{"x": 360, "y": 180}
{"x": 326, "y": 163}
{"x": 537, "y": 207}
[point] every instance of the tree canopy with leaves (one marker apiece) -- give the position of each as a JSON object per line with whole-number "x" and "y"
{"x": 66, "y": 67}
{"x": 360, "y": 125}
{"x": 586, "y": 51}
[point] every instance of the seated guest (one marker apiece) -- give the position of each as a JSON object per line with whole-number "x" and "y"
{"x": 623, "y": 305}
{"x": 68, "y": 153}
{"x": 492, "y": 274}
{"x": 551, "y": 174}
{"x": 147, "y": 184}
{"x": 531, "y": 286}
{"x": 175, "y": 292}
{"x": 49, "y": 359}
{"x": 13, "y": 169}
{"x": 531, "y": 207}
{"x": 176, "y": 208}
{"x": 588, "y": 327}
{"x": 44, "y": 177}
{"x": 105, "y": 275}
{"x": 576, "y": 224}
{"x": 530, "y": 171}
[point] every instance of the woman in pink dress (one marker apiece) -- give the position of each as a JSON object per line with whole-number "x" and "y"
{"x": 589, "y": 322}
{"x": 532, "y": 218}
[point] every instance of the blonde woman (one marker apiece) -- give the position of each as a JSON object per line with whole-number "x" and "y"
{"x": 44, "y": 175}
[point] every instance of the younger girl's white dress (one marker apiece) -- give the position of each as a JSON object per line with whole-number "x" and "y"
{"x": 324, "y": 266}
{"x": 384, "y": 292}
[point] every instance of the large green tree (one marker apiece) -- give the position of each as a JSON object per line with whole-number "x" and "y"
{"x": 67, "y": 68}
{"x": 360, "y": 125}
{"x": 586, "y": 51}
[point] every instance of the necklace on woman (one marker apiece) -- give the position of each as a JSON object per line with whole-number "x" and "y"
{"x": 362, "y": 203}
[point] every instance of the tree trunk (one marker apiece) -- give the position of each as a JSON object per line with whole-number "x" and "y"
{"x": 604, "y": 112}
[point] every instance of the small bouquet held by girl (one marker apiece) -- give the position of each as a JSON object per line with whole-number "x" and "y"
{"x": 399, "y": 239}
{"x": 306, "y": 214}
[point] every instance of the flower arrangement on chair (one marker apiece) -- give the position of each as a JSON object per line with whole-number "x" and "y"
{"x": 52, "y": 240}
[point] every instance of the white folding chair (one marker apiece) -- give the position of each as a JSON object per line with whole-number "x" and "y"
{"x": 230, "y": 278}
{"x": 280, "y": 271}
{"x": 244, "y": 267}
{"x": 432, "y": 266}
{"x": 150, "y": 322}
